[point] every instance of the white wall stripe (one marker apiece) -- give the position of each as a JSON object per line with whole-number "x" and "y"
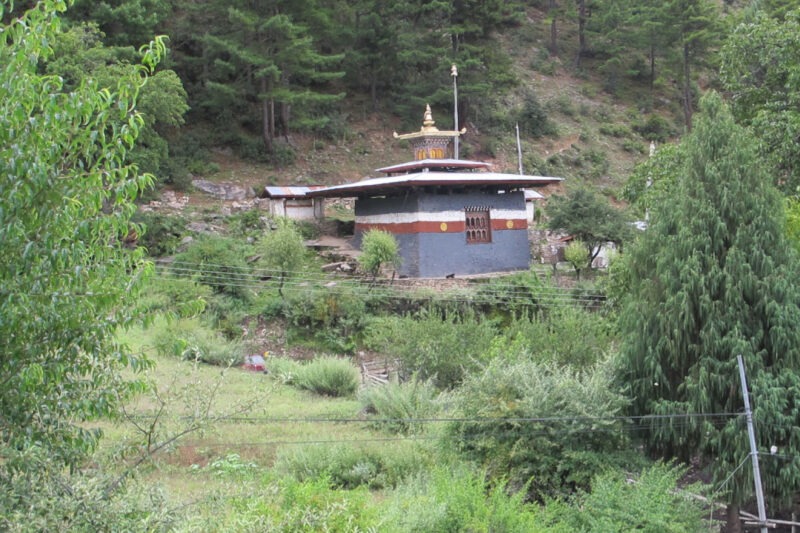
{"x": 437, "y": 216}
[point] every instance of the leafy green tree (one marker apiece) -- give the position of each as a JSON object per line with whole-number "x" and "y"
{"x": 576, "y": 255}
{"x": 66, "y": 276}
{"x": 653, "y": 178}
{"x": 284, "y": 251}
{"x": 378, "y": 248}
{"x": 79, "y": 53}
{"x": 711, "y": 278}
{"x": 588, "y": 218}
{"x": 761, "y": 68}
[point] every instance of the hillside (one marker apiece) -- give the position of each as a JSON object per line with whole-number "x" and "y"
{"x": 595, "y": 139}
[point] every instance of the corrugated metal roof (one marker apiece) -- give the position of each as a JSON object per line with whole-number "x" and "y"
{"x": 532, "y": 195}
{"x": 289, "y": 191}
{"x": 423, "y": 179}
{"x": 434, "y": 164}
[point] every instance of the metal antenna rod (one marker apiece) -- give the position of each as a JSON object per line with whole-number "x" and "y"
{"x": 751, "y": 433}
{"x": 454, "y": 73}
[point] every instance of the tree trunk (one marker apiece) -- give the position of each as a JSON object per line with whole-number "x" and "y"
{"x": 733, "y": 524}
{"x": 266, "y": 118}
{"x": 581, "y": 32}
{"x": 687, "y": 89}
{"x": 553, "y": 28}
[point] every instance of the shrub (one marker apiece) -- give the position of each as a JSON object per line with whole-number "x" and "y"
{"x": 333, "y": 316}
{"x": 313, "y": 506}
{"x": 577, "y": 255}
{"x": 378, "y": 248}
{"x": 376, "y": 466}
{"x": 218, "y": 262}
{"x": 397, "y": 405}
{"x": 655, "y": 128}
{"x": 439, "y": 345}
{"x": 189, "y": 339}
{"x": 653, "y": 502}
{"x": 532, "y": 118}
{"x": 174, "y": 296}
{"x": 282, "y": 369}
{"x": 284, "y": 251}
{"x": 162, "y": 232}
{"x": 330, "y": 376}
{"x": 543, "y": 426}
{"x": 456, "y": 499}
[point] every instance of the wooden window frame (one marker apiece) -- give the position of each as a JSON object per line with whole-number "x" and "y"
{"x": 478, "y": 225}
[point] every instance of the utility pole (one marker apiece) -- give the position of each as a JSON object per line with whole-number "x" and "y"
{"x": 519, "y": 150}
{"x": 454, "y": 73}
{"x": 751, "y": 433}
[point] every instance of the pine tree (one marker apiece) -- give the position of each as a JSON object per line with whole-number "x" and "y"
{"x": 711, "y": 278}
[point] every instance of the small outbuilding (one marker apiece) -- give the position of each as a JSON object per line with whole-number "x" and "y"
{"x": 449, "y": 216}
{"x": 293, "y": 202}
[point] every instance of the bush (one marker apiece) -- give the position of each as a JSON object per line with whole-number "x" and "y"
{"x": 532, "y": 118}
{"x": 218, "y": 262}
{"x": 174, "y": 296}
{"x": 545, "y": 427}
{"x": 653, "y": 502}
{"x": 438, "y": 345}
{"x": 378, "y": 248}
{"x": 655, "y": 128}
{"x": 282, "y": 369}
{"x": 332, "y": 316}
{"x": 376, "y": 466}
{"x": 398, "y": 405}
{"x": 330, "y": 376}
{"x": 162, "y": 232}
{"x": 189, "y": 339}
{"x": 450, "y": 499}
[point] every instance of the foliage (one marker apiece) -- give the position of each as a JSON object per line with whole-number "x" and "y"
{"x": 189, "y": 339}
{"x": 653, "y": 178}
{"x": 442, "y": 346}
{"x": 173, "y": 296}
{"x": 348, "y": 467}
{"x": 584, "y": 215}
{"x": 533, "y": 118}
{"x": 652, "y": 501}
{"x": 313, "y": 506}
{"x": 576, "y": 255}
{"x": 710, "y": 280}
{"x": 284, "y": 251}
{"x": 251, "y": 223}
{"x": 38, "y": 495}
{"x": 793, "y": 222}
{"x": 78, "y": 53}
{"x": 544, "y": 427}
{"x": 518, "y": 294}
{"x": 162, "y": 232}
{"x": 760, "y": 68}
{"x": 456, "y": 499}
{"x": 282, "y": 369}
{"x": 566, "y": 335}
{"x": 66, "y": 198}
{"x": 332, "y": 316}
{"x": 378, "y": 248}
{"x": 398, "y": 407}
{"x": 330, "y": 376}
{"x": 218, "y": 262}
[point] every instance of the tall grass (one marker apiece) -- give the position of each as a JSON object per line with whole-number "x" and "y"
{"x": 329, "y": 376}
{"x": 398, "y": 407}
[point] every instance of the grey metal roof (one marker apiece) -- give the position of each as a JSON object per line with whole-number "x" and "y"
{"x": 434, "y": 164}
{"x": 289, "y": 192}
{"x": 432, "y": 178}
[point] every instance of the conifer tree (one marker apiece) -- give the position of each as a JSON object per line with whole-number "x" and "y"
{"x": 711, "y": 278}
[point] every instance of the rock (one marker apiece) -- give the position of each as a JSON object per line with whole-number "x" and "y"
{"x": 224, "y": 191}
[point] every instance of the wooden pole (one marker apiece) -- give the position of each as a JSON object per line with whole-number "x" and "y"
{"x": 454, "y": 73}
{"x": 519, "y": 150}
{"x": 751, "y": 433}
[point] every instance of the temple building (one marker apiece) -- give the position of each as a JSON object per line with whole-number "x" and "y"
{"x": 449, "y": 216}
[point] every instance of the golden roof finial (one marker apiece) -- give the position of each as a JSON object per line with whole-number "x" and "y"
{"x": 427, "y": 119}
